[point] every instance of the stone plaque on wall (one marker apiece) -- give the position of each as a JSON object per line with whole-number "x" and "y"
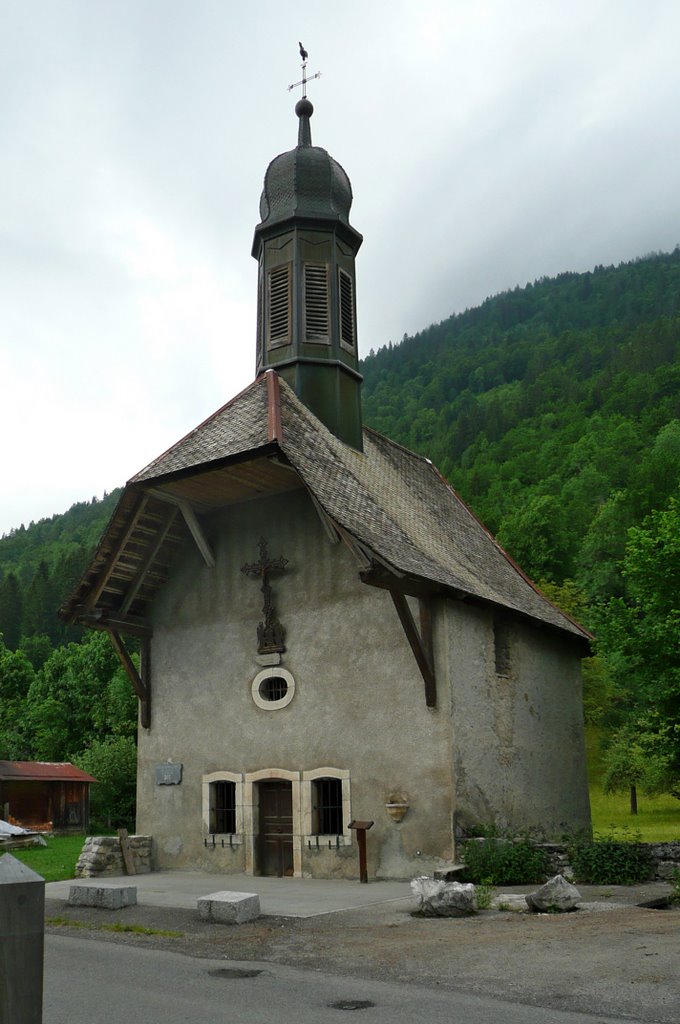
{"x": 168, "y": 774}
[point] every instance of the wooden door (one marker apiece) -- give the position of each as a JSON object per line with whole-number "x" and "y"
{"x": 276, "y": 828}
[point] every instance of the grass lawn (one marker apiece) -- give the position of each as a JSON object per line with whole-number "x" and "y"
{"x": 657, "y": 820}
{"x": 658, "y": 817}
{"x": 55, "y": 861}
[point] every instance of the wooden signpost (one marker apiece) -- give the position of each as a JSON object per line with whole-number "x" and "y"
{"x": 361, "y": 828}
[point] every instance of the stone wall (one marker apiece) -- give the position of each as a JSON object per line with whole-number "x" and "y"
{"x": 101, "y": 855}
{"x": 665, "y": 858}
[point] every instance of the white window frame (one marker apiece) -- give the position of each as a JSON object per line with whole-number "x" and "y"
{"x": 272, "y": 673}
{"x": 308, "y": 778}
{"x": 224, "y": 776}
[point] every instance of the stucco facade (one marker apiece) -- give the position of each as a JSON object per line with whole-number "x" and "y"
{"x": 424, "y": 684}
{"x": 486, "y": 752}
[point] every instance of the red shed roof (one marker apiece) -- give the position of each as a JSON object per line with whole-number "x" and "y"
{"x": 47, "y": 771}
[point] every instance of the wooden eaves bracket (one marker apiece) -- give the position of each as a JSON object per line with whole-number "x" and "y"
{"x": 419, "y": 640}
{"x": 141, "y": 681}
{"x": 379, "y": 575}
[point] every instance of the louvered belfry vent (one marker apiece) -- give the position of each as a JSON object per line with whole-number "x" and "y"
{"x": 347, "y": 332}
{"x": 279, "y": 305}
{"x": 306, "y": 249}
{"x": 316, "y": 302}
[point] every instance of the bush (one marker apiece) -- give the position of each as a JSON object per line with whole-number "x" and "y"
{"x": 505, "y": 862}
{"x": 113, "y": 762}
{"x": 610, "y": 860}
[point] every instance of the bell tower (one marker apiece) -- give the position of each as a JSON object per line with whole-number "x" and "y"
{"x": 306, "y": 299}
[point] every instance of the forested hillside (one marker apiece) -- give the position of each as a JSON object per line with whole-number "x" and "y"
{"x": 554, "y": 410}
{"x": 40, "y": 563}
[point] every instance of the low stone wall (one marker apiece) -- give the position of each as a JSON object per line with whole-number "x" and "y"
{"x": 101, "y": 855}
{"x": 665, "y": 858}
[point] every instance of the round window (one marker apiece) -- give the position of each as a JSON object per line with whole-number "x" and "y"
{"x": 273, "y": 688}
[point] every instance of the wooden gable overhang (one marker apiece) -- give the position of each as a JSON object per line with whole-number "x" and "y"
{"x": 408, "y": 531}
{"x": 153, "y": 521}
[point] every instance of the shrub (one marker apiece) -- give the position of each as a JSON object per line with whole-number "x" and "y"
{"x": 610, "y": 860}
{"x": 505, "y": 862}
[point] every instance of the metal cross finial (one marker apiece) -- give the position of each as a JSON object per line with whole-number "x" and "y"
{"x": 270, "y": 632}
{"x": 303, "y": 81}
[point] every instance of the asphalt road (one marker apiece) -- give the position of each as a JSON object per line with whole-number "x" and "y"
{"x": 88, "y": 981}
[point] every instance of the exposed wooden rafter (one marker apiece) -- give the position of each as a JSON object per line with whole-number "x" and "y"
{"x": 328, "y": 524}
{"x": 145, "y": 566}
{"x": 100, "y": 619}
{"x": 192, "y": 522}
{"x": 141, "y": 681}
{"x": 112, "y": 560}
{"x": 420, "y": 642}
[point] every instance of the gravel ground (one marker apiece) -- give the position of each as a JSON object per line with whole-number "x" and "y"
{"x": 610, "y": 957}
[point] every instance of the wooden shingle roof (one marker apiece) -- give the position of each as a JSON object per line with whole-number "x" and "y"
{"x": 402, "y": 519}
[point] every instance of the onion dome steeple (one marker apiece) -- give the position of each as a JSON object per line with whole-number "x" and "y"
{"x": 305, "y": 247}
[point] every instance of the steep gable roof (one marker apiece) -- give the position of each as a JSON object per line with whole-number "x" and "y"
{"x": 392, "y": 504}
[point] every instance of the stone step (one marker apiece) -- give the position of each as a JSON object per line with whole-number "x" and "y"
{"x": 110, "y": 897}
{"x": 229, "y": 907}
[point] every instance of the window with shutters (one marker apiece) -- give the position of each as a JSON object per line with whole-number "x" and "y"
{"x": 316, "y": 302}
{"x": 346, "y": 290}
{"x": 278, "y": 305}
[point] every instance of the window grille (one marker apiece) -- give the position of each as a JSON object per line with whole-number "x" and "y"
{"x": 223, "y": 807}
{"x": 316, "y": 302}
{"x": 347, "y": 331}
{"x": 273, "y": 688}
{"x": 327, "y": 807}
{"x": 278, "y": 288}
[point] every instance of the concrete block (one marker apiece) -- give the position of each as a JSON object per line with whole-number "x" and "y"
{"x": 110, "y": 897}
{"x": 229, "y": 907}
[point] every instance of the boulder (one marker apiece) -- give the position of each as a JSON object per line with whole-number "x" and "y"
{"x": 437, "y": 898}
{"x": 556, "y": 896}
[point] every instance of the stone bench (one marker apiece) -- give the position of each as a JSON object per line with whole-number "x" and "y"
{"x": 229, "y": 907}
{"x": 110, "y": 897}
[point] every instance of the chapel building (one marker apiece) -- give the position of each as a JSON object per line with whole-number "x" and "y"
{"x": 327, "y": 632}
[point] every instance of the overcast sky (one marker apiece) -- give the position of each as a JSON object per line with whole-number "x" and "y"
{"x": 488, "y": 144}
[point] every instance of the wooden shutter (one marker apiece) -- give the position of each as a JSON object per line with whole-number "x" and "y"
{"x": 278, "y": 287}
{"x": 316, "y": 302}
{"x": 347, "y": 332}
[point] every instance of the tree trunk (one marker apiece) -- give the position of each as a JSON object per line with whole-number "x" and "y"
{"x": 633, "y": 800}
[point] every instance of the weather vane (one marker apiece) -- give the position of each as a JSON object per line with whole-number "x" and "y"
{"x": 303, "y": 81}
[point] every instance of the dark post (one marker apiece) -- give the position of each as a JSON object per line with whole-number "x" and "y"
{"x": 22, "y": 940}
{"x": 361, "y": 828}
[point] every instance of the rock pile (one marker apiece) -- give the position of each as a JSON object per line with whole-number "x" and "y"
{"x": 101, "y": 855}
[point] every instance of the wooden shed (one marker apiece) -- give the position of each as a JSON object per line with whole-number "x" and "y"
{"x": 44, "y": 795}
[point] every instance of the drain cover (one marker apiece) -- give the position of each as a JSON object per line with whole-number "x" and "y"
{"x": 234, "y": 972}
{"x": 351, "y": 1004}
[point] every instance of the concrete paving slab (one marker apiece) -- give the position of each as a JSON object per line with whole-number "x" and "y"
{"x": 279, "y": 897}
